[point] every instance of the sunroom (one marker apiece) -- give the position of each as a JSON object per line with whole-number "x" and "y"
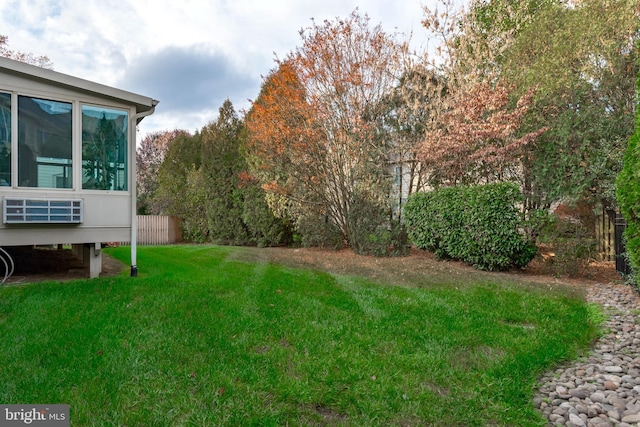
{"x": 67, "y": 161}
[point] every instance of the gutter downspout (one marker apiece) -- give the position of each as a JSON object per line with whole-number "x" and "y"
{"x": 137, "y": 118}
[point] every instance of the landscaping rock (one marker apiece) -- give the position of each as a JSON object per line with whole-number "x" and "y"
{"x": 602, "y": 389}
{"x": 576, "y": 420}
{"x": 631, "y": 418}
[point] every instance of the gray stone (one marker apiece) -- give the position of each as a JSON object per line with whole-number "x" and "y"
{"x": 603, "y": 388}
{"x": 592, "y": 412}
{"x": 598, "y": 397}
{"x": 555, "y": 417}
{"x": 635, "y": 418}
{"x": 618, "y": 402}
{"x": 614, "y": 415}
{"x": 576, "y": 420}
{"x": 580, "y": 394}
{"x": 634, "y": 407}
{"x": 559, "y": 411}
{"x": 537, "y": 402}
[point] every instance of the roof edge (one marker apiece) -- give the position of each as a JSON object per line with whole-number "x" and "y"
{"x": 143, "y": 103}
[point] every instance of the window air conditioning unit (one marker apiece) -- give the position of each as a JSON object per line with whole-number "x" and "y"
{"x": 41, "y": 211}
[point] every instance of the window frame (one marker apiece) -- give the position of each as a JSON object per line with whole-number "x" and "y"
{"x": 126, "y": 151}
{"x": 10, "y": 139}
{"x": 77, "y": 100}
{"x": 16, "y": 135}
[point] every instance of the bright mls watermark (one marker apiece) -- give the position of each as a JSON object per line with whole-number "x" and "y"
{"x": 34, "y": 415}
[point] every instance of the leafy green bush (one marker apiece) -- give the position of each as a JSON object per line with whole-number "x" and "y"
{"x": 628, "y": 192}
{"x": 480, "y": 225}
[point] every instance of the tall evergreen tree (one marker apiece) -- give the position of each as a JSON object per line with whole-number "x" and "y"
{"x": 221, "y": 164}
{"x": 179, "y": 188}
{"x": 628, "y": 191}
{"x": 204, "y": 180}
{"x": 149, "y": 157}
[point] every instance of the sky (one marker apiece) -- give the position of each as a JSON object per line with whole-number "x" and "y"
{"x": 191, "y": 55}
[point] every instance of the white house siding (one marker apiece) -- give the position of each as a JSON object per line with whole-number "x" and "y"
{"x": 107, "y": 215}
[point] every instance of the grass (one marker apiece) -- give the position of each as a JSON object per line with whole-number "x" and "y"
{"x": 200, "y": 338}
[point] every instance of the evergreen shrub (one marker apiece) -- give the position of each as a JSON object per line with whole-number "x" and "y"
{"x": 628, "y": 193}
{"x": 263, "y": 227}
{"x": 480, "y": 225}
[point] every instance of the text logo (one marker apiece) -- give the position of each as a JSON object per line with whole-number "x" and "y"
{"x": 34, "y": 415}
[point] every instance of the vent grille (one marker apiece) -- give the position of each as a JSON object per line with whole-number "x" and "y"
{"x": 42, "y": 211}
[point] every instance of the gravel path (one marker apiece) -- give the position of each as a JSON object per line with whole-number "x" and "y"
{"x": 602, "y": 389}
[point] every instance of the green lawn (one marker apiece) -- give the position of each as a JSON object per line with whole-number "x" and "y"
{"x": 200, "y": 338}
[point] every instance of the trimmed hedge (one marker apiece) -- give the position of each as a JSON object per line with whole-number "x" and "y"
{"x": 628, "y": 193}
{"x": 480, "y": 225}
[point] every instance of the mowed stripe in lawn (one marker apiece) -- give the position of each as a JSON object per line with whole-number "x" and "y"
{"x": 202, "y": 338}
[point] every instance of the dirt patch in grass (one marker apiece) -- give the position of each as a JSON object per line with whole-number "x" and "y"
{"x": 321, "y": 415}
{"x": 422, "y": 267}
{"x": 37, "y": 264}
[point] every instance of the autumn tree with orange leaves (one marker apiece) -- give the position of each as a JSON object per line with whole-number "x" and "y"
{"x": 313, "y": 136}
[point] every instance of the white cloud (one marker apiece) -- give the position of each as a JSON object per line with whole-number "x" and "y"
{"x": 190, "y": 55}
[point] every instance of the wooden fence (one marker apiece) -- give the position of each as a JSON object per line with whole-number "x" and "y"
{"x": 158, "y": 230}
{"x": 605, "y": 234}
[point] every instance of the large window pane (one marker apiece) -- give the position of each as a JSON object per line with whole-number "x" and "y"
{"x": 44, "y": 143}
{"x": 5, "y": 139}
{"x": 104, "y": 148}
